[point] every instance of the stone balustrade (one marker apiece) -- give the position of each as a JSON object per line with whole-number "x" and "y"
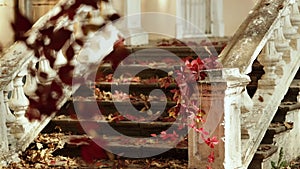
{"x": 270, "y": 35}
{"x": 22, "y": 73}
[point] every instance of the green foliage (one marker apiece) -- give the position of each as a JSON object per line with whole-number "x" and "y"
{"x": 281, "y": 164}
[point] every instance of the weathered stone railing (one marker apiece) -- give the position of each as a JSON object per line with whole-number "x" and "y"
{"x": 17, "y": 84}
{"x": 270, "y": 34}
{"x": 221, "y": 99}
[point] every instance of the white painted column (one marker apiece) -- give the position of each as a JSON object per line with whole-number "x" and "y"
{"x": 217, "y": 22}
{"x": 133, "y": 31}
{"x": 197, "y": 18}
{"x": 191, "y": 22}
{"x": 180, "y": 16}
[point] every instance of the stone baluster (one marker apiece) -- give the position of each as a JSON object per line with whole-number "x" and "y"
{"x": 19, "y": 104}
{"x": 295, "y": 15}
{"x": 45, "y": 73}
{"x": 30, "y": 86}
{"x": 281, "y": 43}
{"x": 270, "y": 60}
{"x": 60, "y": 60}
{"x": 295, "y": 22}
{"x": 288, "y": 30}
{"x": 10, "y": 118}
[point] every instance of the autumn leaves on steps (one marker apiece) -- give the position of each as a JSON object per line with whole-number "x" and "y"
{"x": 127, "y": 124}
{"x": 46, "y": 42}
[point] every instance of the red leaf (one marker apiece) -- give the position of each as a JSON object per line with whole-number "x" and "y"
{"x": 211, "y": 157}
{"x": 93, "y": 151}
{"x": 261, "y": 99}
{"x": 59, "y": 38}
{"x": 153, "y": 135}
{"x": 66, "y": 74}
{"x": 114, "y": 17}
{"x": 79, "y": 141}
{"x": 21, "y": 25}
{"x": 211, "y": 142}
{"x": 49, "y": 55}
{"x": 47, "y": 31}
{"x": 33, "y": 114}
{"x": 70, "y": 53}
{"x": 92, "y": 3}
{"x": 79, "y": 42}
{"x": 117, "y": 55}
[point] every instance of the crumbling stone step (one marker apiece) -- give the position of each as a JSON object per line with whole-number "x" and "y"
{"x": 129, "y": 128}
{"x": 293, "y": 92}
{"x": 107, "y": 85}
{"x": 283, "y": 109}
{"x": 262, "y": 156}
{"x": 274, "y": 129}
{"x": 85, "y": 107}
{"x": 73, "y": 148}
{"x": 297, "y": 76}
{"x": 180, "y": 51}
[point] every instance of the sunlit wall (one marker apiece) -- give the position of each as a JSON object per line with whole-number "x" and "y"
{"x": 234, "y": 12}
{"x": 6, "y": 17}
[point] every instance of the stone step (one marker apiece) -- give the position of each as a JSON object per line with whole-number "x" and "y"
{"x": 74, "y": 144}
{"x": 130, "y": 128}
{"x": 62, "y": 150}
{"x": 95, "y": 109}
{"x": 280, "y": 134}
{"x": 277, "y": 136}
{"x": 275, "y": 129}
{"x": 182, "y": 50}
{"x": 263, "y": 157}
{"x": 293, "y": 92}
{"x": 283, "y": 109}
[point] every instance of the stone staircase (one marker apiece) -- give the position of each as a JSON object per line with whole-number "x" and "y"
{"x": 67, "y": 121}
{"x": 278, "y": 131}
{"x": 270, "y": 35}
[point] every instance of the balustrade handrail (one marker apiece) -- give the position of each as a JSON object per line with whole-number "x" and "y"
{"x": 18, "y": 55}
{"x": 270, "y": 35}
{"x": 255, "y": 33}
{"x": 252, "y": 35}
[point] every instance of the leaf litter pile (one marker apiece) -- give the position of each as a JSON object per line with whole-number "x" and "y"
{"x": 40, "y": 154}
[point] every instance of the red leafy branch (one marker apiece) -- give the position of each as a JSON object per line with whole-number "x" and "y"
{"x": 191, "y": 72}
